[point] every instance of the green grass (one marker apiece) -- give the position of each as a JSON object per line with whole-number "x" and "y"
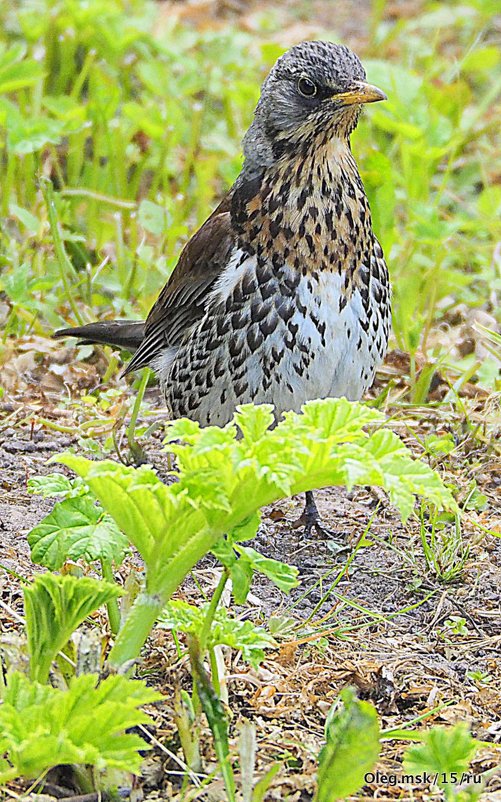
{"x": 139, "y": 132}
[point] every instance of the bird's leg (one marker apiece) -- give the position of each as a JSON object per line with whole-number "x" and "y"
{"x": 310, "y": 518}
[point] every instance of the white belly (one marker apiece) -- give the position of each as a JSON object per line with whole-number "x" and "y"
{"x": 285, "y": 347}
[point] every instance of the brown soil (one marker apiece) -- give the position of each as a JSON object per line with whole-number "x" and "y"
{"x": 382, "y": 628}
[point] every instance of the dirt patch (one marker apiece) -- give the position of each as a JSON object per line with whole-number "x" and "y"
{"x": 380, "y": 622}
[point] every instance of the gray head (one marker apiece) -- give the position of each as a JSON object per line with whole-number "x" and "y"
{"x": 315, "y": 88}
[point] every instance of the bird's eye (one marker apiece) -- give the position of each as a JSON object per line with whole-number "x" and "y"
{"x": 307, "y": 87}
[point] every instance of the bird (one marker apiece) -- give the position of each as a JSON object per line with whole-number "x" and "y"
{"x": 283, "y": 295}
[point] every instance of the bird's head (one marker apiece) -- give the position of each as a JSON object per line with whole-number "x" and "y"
{"x": 315, "y": 89}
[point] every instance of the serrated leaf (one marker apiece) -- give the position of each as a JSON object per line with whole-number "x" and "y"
{"x": 225, "y": 478}
{"x": 55, "y": 484}
{"x": 350, "y": 751}
{"x": 123, "y": 490}
{"x": 76, "y": 529}
{"x": 42, "y": 727}
{"x": 254, "y": 425}
{"x": 54, "y": 607}
{"x": 250, "y": 638}
{"x": 445, "y": 750}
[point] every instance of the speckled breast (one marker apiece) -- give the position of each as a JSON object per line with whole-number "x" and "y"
{"x": 302, "y": 309}
{"x": 275, "y": 336}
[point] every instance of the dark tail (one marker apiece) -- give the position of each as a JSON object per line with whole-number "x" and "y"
{"x": 117, "y": 333}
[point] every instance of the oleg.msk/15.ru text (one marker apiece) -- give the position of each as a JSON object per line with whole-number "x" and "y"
{"x": 452, "y": 778}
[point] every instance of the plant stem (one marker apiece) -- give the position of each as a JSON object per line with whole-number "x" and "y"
{"x": 136, "y": 629}
{"x": 214, "y": 672}
{"x": 82, "y": 192}
{"x": 112, "y": 605}
{"x": 65, "y": 266}
{"x": 211, "y": 612}
{"x": 204, "y": 637}
{"x": 135, "y": 411}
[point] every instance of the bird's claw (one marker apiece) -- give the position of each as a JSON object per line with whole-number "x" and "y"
{"x": 310, "y": 519}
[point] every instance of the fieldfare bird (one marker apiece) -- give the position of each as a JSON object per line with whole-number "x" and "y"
{"x": 283, "y": 294}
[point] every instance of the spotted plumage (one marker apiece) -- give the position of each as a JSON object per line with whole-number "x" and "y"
{"x": 283, "y": 294}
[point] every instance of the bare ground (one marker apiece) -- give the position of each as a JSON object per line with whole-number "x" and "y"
{"x": 382, "y": 628}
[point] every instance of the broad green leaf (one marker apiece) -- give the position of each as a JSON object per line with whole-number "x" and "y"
{"x": 54, "y": 607}
{"x": 445, "y": 750}
{"x": 246, "y": 529}
{"x": 19, "y": 75}
{"x": 483, "y": 58}
{"x": 224, "y": 479}
{"x": 401, "y": 85}
{"x": 332, "y": 418}
{"x": 66, "y": 108}
{"x": 33, "y": 134}
{"x": 42, "y": 727}
{"x": 350, "y": 751}
{"x": 76, "y": 529}
{"x": 55, "y": 484}
{"x": 15, "y": 53}
{"x": 254, "y": 425}
{"x": 123, "y": 491}
{"x": 25, "y": 217}
{"x": 16, "y": 284}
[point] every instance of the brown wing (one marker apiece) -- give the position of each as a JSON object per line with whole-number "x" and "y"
{"x": 181, "y": 303}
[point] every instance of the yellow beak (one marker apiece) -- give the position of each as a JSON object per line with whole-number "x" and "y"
{"x": 361, "y": 93}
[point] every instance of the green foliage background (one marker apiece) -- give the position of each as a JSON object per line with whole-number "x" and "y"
{"x": 138, "y": 121}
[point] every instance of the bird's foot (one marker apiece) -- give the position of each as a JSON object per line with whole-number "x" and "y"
{"x": 310, "y": 519}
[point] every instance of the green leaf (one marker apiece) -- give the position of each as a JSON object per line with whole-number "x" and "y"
{"x": 15, "y": 76}
{"x": 140, "y": 503}
{"x": 445, "y": 750}
{"x": 282, "y": 575}
{"x": 240, "y": 569}
{"x": 254, "y": 424}
{"x": 16, "y": 284}
{"x": 351, "y": 748}
{"x": 25, "y": 217}
{"x": 247, "y": 529}
{"x": 54, "y": 607}
{"x": 55, "y": 484}
{"x": 482, "y": 59}
{"x": 30, "y": 135}
{"x": 402, "y": 86}
{"x": 250, "y": 638}
{"x": 153, "y": 218}
{"x": 41, "y": 726}
{"x": 224, "y": 479}
{"x": 76, "y": 529}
